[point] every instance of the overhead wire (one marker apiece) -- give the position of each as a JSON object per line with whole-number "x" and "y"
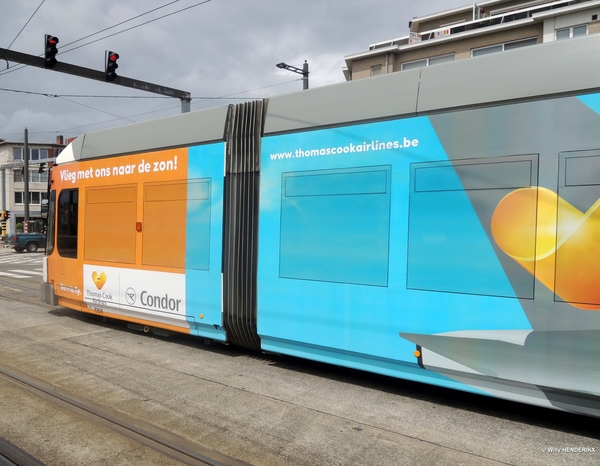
{"x": 119, "y": 24}
{"x": 17, "y": 68}
{"x": 23, "y": 28}
{"x": 97, "y": 109}
{"x": 129, "y": 118}
{"x": 230, "y": 96}
{"x": 110, "y": 35}
{"x": 64, "y": 97}
{"x": 201, "y": 99}
{"x": 138, "y": 25}
{"x": 46, "y": 94}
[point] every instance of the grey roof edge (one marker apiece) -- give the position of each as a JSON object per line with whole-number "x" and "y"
{"x": 540, "y": 71}
{"x": 76, "y": 147}
{"x": 378, "y": 97}
{"x": 441, "y": 14}
{"x": 176, "y": 131}
{"x": 547, "y": 70}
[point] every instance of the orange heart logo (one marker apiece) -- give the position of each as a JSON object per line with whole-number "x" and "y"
{"x": 554, "y": 241}
{"x": 99, "y": 279}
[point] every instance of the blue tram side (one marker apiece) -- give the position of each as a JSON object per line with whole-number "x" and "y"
{"x": 437, "y": 225}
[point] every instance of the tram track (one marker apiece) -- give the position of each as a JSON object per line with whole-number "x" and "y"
{"x": 159, "y": 440}
{"x": 74, "y": 436}
{"x": 10, "y": 455}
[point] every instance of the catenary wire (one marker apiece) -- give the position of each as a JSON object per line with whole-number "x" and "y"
{"x": 98, "y": 110}
{"x": 137, "y": 26}
{"x": 119, "y": 24}
{"x": 198, "y": 99}
{"x": 23, "y": 28}
{"x": 17, "y": 68}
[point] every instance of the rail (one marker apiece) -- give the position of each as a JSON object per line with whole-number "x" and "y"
{"x": 150, "y": 436}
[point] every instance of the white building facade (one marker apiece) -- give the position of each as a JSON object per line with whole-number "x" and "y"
{"x": 476, "y": 29}
{"x": 12, "y": 183}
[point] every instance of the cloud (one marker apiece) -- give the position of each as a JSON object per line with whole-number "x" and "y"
{"x": 220, "y": 48}
{"x": 16, "y": 123}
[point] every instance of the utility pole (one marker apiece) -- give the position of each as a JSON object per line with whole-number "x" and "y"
{"x": 26, "y": 182}
{"x": 303, "y": 71}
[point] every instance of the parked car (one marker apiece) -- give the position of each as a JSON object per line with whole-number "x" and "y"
{"x": 29, "y": 242}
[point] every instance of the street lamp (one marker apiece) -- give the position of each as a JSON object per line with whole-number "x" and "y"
{"x": 303, "y": 71}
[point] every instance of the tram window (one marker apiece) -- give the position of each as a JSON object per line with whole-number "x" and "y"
{"x": 68, "y": 207}
{"x": 183, "y": 206}
{"x": 335, "y": 225}
{"x": 450, "y": 245}
{"x": 51, "y": 223}
{"x": 198, "y": 224}
{"x": 164, "y": 205}
{"x": 110, "y": 219}
{"x": 577, "y": 225}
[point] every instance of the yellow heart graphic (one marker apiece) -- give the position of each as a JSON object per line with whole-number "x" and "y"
{"x": 554, "y": 241}
{"x": 99, "y": 279}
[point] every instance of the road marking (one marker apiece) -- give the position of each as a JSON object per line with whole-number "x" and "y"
{"x": 20, "y": 260}
{"x": 31, "y": 272}
{"x": 12, "y": 275}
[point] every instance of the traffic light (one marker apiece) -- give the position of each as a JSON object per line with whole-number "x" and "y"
{"x": 50, "y": 51}
{"x": 7, "y": 215}
{"x": 111, "y": 66}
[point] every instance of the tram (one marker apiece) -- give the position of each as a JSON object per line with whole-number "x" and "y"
{"x": 438, "y": 225}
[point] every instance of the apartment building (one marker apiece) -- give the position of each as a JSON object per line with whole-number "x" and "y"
{"x": 476, "y": 29}
{"x": 12, "y": 182}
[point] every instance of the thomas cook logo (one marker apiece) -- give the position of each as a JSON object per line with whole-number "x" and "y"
{"x": 557, "y": 247}
{"x": 99, "y": 279}
{"x": 130, "y": 296}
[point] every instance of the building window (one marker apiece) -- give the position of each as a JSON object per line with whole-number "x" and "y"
{"x": 34, "y": 176}
{"x": 427, "y": 62}
{"x": 411, "y": 65}
{"x": 487, "y": 50}
{"x": 503, "y": 47}
{"x": 34, "y": 154}
{"x": 441, "y": 59}
{"x": 37, "y": 177}
{"x": 35, "y": 197}
{"x": 520, "y": 43}
{"x": 569, "y": 33}
{"x": 376, "y": 70}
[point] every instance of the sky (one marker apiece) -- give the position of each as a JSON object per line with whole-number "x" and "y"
{"x": 221, "y": 51}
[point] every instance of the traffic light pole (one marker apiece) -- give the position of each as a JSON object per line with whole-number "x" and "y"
{"x": 26, "y": 182}
{"x": 96, "y": 75}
